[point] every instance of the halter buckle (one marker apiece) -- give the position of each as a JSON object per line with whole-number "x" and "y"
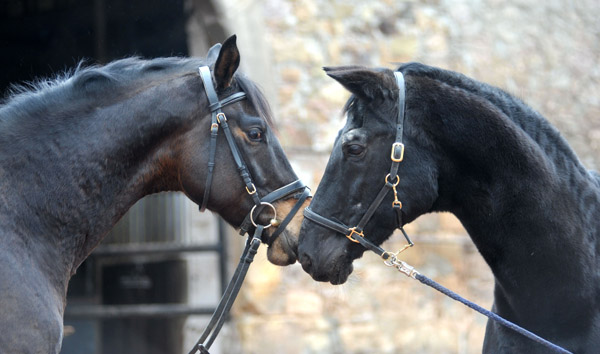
{"x": 220, "y": 116}
{"x": 352, "y": 232}
{"x": 214, "y": 126}
{"x": 251, "y": 191}
{"x": 397, "y": 155}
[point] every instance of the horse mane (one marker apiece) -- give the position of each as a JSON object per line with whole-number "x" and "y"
{"x": 528, "y": 120}
{"x": 111, "y": 79}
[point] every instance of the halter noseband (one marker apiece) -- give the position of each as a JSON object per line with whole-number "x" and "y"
{"x": 297, "y": 189}
{"x": 355, "y": 234}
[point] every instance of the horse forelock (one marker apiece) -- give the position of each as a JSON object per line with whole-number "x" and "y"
{"x": 359, "y": 111}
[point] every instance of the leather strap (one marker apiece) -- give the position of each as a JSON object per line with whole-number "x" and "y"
{"x": 241, "y": 166}
{"x": 343, "y": 229}
{"x": 218, "y": 318}
{"x": 216, "y": 117}
{"x": 288, "y": 218}
{"x": 280, "y": 193}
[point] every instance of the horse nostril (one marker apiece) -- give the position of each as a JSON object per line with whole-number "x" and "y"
{"x": 306, "y": 262}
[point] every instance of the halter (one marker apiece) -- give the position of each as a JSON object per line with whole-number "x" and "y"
{"x": 296, "y": 190}
{"x": 356, "y": 234}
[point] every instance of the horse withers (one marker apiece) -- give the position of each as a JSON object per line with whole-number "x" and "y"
{"x": 77, "y": 152}
{"x": 525, "y": 199}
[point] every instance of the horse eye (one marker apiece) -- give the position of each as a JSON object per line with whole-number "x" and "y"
{"x": 355, "y": 149}
{"x": 255, "y": 134}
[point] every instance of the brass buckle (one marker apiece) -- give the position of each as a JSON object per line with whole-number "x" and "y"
{"x": 221, "y": 115}
{"x": 393, "y": 154}
{"x": 214, "y": 126}
{"x": 352, "y": 232}
{"x": 251, "y": 191}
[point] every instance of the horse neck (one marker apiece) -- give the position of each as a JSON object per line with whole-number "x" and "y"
{"x": 526, "y": 201}
{"x": 84, "y": 173}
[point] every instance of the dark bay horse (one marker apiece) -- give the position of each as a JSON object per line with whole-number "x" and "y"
{"x": 529, "y": 205}
{"x": 77, "y": 152}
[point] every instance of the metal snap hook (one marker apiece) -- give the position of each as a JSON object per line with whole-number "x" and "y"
{"x": 266, "y": 204}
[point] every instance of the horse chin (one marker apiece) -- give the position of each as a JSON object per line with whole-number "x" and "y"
{"x": 283, "y": 251}
{"x": 341, "y": 276}
{"x": 335, "y": 273}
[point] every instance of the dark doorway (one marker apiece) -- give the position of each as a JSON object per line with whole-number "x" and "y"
{"x": 40, "y": 38}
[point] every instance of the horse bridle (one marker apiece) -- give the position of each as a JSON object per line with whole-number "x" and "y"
{"x": 356, "y": 233}
{"x": 219, "y": 119}
{"x": 296, "y": 190}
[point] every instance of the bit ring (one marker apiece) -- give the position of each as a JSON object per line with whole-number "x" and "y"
{"x": 266, "y": 204}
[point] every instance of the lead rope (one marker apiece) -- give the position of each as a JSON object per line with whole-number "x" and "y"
{"x": 410, "y": 272}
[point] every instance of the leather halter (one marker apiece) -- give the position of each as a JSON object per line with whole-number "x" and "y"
{"x": 355, "y": 234}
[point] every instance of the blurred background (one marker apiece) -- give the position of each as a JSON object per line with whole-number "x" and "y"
{"x": 151, "y": 285}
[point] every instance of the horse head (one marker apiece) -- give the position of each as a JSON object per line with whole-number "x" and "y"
{"x": 359, "y": 167}
{"x": 252, "y": 143}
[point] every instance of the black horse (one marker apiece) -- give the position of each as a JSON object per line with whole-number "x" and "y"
{"x": 77, "y": 152}
{"x": 528, "y": 204}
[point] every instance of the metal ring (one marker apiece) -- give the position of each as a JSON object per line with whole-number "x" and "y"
{"x": 252, "y": 213}
{"x": 397, "y": 181}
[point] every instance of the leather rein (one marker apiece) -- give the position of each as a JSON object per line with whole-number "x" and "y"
{"x": 296, "y": 190}
{"x": 355, "y": 234}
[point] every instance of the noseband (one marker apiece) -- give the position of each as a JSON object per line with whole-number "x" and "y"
{"x": 296, "y": 190}
{"x": 355, "y": 234}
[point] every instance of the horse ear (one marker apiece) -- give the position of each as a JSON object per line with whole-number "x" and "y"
{"x": 213, "y": 53}
{"x": 227, "y": 63}
{"x": 361, "y": 81}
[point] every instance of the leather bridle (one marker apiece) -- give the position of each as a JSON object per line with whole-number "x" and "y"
{"x": 356, "y": 233}
{"x": 296, "y": 190}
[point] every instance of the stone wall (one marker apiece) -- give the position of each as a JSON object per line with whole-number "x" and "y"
{"x": 543, "y": 52}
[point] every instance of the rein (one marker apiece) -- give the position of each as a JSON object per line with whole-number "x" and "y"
{"x": 355, "y": 234}
{"x": 296, "y": 190}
